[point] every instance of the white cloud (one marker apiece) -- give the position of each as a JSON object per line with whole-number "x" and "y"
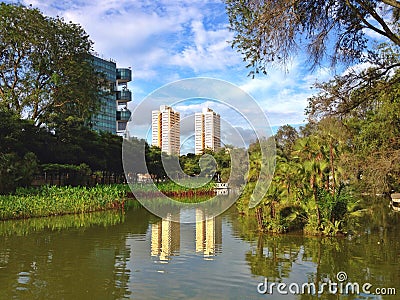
{"x": 283, "y": 96}
{"x": 357, "y": 68}
{"x": 209, "y": 51}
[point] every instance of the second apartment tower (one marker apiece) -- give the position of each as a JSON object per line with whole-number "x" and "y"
{"x": 166, "y": 130}
{"x": 207, "y": 129}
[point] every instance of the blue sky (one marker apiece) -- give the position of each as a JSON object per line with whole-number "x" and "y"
{"x": 163, "y": 41}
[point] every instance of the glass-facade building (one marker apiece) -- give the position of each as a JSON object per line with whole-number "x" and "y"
{"x": 113, "y": 114}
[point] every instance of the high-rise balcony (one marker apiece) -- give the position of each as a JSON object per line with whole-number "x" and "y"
{"x": 123, "y": 115}
{"x": 124, "y": 75}
{"x": 124, "y": 96}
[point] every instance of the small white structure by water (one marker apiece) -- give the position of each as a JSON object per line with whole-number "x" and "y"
{"x": 222, "y": 188}
{"x": 222, "y": 185}
{"x": 395, "y": 203}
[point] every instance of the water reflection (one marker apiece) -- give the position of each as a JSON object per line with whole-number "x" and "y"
{"x": 166, "y": 236}
{"x": 372, "y": 257}
{"x": 24, "y": 227}
{"x": 274, "y": 256}
{"x": 68, "y": 257}
{"x": 137, "y": 255}
{"x": 208, "y": 234}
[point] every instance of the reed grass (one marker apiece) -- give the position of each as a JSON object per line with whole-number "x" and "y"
{"x": 53, "y": 200}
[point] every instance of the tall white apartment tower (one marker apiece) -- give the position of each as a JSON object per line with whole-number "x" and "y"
{"x": 166, "y": 130}
{"x": 207, "y": 129}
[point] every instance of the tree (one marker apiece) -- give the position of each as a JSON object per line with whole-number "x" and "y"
{"x": 45, "y": 70}
{"x": 154, "y": 163}
{"x": 285, "y": 138}
{"x": 357, "y": 92}
{"x": 190, "y": 164}
{"x": 365, "y": 104}
{"x": 16, "y": 171}
{"x": 269, "y": 32}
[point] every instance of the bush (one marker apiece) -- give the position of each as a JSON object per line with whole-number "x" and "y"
{"x": 16, "y": 171}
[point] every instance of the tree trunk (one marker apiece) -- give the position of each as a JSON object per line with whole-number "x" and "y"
{"x": 259, "y": 218}
{"x": 332, "y": 168}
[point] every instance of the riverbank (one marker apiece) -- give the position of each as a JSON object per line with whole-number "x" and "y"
{"x": 172, "y": 189}
{"x": 53, "y": 200}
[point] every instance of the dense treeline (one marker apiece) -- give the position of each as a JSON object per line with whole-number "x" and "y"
{"x": 26, "y": 150}
{"x": 349, "y": 147}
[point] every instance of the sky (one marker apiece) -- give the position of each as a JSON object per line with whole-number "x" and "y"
{"x": 164, "y": 41}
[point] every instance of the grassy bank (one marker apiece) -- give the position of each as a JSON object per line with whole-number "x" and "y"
{"x": 172, "y": 189}
{"x": 49, "y": 201}
{"x": 53, "y": 200}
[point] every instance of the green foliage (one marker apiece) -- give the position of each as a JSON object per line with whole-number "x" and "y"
{"x": 307, "y": 189}
{"x": 154, "y": 162}
{"x": 366, "y": 106}
{"x": 268, "y": 33}
{"x": 52, "y": 200}
{"x": 45, "y": 71}
{"x": 171, "y": 186}
{"x": 352, "y": 140}
{"x": 77, "y": 175}
{"x": 188, "y": 191}
{"x": 285, "y": 138}
{"x": 190, "y": 164}
{"x": 71, "y": 146}
{"x": 16, "y": 171}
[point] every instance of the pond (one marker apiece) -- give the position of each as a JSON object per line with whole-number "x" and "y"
{"x": 115, "y": 255}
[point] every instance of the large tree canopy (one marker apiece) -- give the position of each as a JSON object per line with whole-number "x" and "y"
{"x": 367, "y": 103}
{"x": 268, "y": 32}
{"x": 45, "y": 69}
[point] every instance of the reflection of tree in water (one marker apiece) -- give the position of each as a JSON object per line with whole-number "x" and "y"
{"x": 274, "y": 256}
{"x": 80, "y": 262}
{"x": 372, "y": 257}
{"x": 377, "y": 215}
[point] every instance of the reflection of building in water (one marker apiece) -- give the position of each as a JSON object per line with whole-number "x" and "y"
{"x": 165, "y": 238}
{"x": 208, "y": 234}
{"x": 222, "y": 192}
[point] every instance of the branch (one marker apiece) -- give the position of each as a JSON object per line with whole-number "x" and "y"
{"x": 393, "y": 3}
{"x": 387, "y": 32}
{"x": 361, "y": 17}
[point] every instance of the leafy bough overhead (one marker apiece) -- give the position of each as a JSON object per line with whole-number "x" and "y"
{"x": 270, "y": 32}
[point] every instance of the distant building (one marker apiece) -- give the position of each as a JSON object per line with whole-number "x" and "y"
{"x": 207, "y": 129}
{"x": 113, "y": 114}
{"x": 166, "y": 130}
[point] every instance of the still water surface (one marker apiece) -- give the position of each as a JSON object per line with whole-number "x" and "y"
{"x": 110, "y": 255}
